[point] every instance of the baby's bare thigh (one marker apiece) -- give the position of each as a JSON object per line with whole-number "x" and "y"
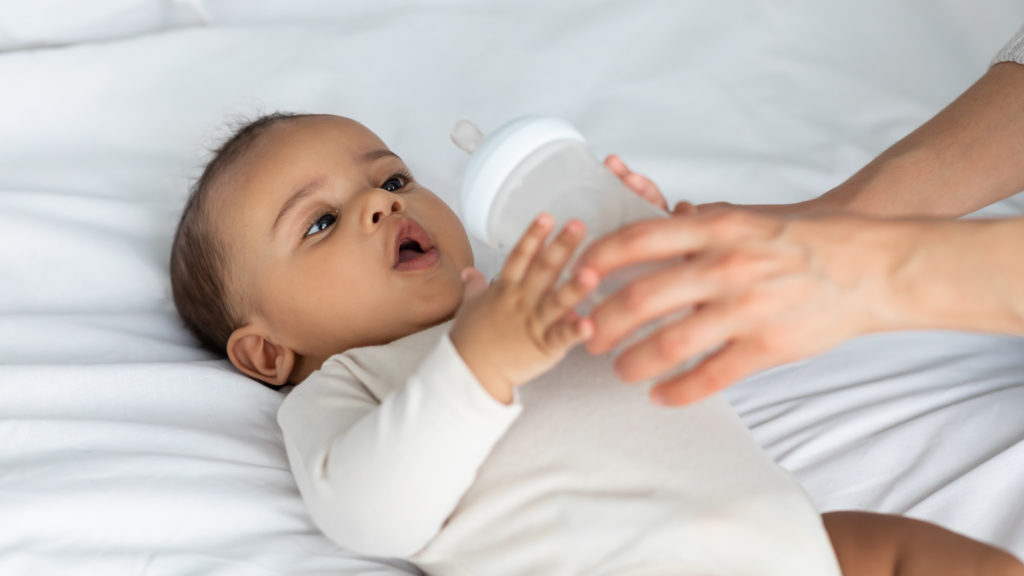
{"x": 868, "y": 544}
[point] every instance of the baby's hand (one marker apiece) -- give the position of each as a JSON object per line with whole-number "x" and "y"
{"x": 523, "y": 324}
{"x": 644, "y": 187}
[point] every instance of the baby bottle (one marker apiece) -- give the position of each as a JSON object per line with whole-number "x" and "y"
{"x": 540, "y": 164}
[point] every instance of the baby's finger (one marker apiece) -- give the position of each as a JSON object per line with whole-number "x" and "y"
{"x": 569, "y": 332}
{"x": 473, "y": 284}
{"x": 547, "y": 266}
{"x": 518, "y": 261}
{"x": 569, "y": 295}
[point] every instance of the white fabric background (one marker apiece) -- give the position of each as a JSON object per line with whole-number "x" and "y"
{"x": 43, "y": 23}
{"x": 124, "y": 449}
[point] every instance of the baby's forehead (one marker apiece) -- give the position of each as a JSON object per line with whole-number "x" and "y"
{"x": 286, "y": 156}
{"x": 305, "y": 143}
{"x": 321, "y": 129}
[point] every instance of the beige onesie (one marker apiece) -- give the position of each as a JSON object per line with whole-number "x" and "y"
{"x": 398, "y": 451}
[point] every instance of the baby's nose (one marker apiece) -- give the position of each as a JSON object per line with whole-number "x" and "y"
{"x": 396, "y": 206}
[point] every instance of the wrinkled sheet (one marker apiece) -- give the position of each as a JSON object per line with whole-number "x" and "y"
{"x": 127, "y": 450}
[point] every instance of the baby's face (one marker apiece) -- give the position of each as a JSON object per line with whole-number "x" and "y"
{"x": 334, "y": 243}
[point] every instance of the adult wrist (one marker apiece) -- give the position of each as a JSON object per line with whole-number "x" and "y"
{"x": 955, "y": 275}
{"x": 857, "y": 256}
{"x": 900, "y": 287}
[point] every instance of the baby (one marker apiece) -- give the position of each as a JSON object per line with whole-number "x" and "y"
{"x": 310, "y": 255}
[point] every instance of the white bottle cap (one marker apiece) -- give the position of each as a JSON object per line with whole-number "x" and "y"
{"x": 495, "y": 159}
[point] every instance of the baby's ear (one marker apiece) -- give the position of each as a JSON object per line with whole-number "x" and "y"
{"x": 255, "y": 355}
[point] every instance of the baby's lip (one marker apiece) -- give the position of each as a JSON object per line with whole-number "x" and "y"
{"x": 409, "y": 229}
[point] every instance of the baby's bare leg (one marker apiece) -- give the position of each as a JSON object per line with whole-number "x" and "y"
{"x": 883, "y": 545}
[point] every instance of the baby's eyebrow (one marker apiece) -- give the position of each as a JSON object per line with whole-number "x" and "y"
{"x": 307, "y": 189}
{"x": 375, "y": 154}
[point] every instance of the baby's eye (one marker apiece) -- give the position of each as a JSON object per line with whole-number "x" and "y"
{"x": 322, "y": 222}
{"x": 393, "y": 183}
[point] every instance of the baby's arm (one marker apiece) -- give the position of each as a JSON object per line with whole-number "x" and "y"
{"x": 869, "y": 544}
{"x": 382, "y": 478}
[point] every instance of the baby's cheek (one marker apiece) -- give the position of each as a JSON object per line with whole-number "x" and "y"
{"x": 449, "y": 298}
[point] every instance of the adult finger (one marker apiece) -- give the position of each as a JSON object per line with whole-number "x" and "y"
{"x": 646, "y": 189}
{"x": 618, "y": 167}
{"x": 638, "y": 183}
{"x": 684, "y": 209}
{"x": 654, "y": 296}
{"x": 662, "y": 238}
{"x": 712, "y": 207}
{"x": 526, "y": 249}
{"x": 718, "y": 371}
{"x": 643, "y": 241}
{"x": 673, "y": 344}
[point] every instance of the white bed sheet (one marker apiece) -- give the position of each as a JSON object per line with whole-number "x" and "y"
{"x": 43, "y": 23}
{"x": 127, "y": 450}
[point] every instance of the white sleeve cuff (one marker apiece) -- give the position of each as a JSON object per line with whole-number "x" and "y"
{"x": 1013, "y": 51}
{"x": 447, "y": 375}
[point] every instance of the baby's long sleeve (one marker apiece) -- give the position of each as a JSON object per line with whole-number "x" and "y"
{"x": 382, "y": 465}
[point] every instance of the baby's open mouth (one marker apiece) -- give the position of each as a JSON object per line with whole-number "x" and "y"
{"x": 413, "y": 247}
{"x": 409, "y": 250}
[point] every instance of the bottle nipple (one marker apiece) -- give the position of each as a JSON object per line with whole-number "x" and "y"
{"x": 467, "y": 136}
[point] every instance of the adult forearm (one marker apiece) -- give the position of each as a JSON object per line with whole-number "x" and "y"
{"x": 966, "y": 157}
{"x": 966, "y": 275}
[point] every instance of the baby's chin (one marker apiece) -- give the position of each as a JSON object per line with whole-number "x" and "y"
{"x": 444, "y": 305}
{"x": 446, "y": 317}
{"x": 440, "y": 317}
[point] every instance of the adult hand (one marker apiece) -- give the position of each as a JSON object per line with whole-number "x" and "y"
{"x": 762, "y": 291}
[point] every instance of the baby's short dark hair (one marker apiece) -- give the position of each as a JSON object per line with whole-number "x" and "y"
{"x": 198, "y": 262}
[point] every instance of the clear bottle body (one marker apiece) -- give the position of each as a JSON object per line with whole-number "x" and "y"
{"x": 564, "y": 179}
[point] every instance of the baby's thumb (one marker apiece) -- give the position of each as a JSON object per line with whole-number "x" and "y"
{"x": 474, "y": 283}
